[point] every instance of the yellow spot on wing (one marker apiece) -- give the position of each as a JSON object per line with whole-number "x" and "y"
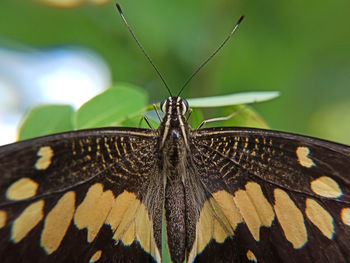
{"x": 129, "y": 220}
{"x": 120, "y": 206}
{"x": 129, "y": 234}
{"x": 345, "y": 216}
{"x": 251, "y": 256}
{"x": 326, "y": 187}
{"x": 320, "y": 217}
{"x": 96, "y": 256}
{"x": 29, "y": 218}
{"x": 303, "y": 159}
{"x": 3, "y": 217}
{"x": 290, "y": 218}
{"x": 93, "y": 211}
{"x": 205, "y": 227}
{"x": 57, "y": 222}
{"x": 143, "y": 228}
{"x": 45, "y": 153}
{"x": 255, "y": 208}
{"x": 212, "y": 224}
{"x": 228, "y": 206}
{"x": 22, "y": 189}
{"x": 219, "y": 233}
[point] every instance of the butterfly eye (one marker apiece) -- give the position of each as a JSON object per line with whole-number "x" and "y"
{"x": 185, "y": 106}
{"x": 163, "y": 105}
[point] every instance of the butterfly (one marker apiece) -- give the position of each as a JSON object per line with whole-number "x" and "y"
{"x": 224, "y": 194}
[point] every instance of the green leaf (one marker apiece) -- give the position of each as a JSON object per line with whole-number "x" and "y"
{"x": 232, "y": 99}
{"x": 47, "y": 119}
{"x": 243, "y": 116}
{"x": 196, "y": 118}
{"x": 165, "y": 253}
{"x": 112, "y": 107}
{"x": 122, "y": 105}
{"x": 139, "y": 122}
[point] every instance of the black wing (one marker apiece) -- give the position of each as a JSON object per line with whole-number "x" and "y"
{"x": 79, "y": 197}
{"x": 282, "y": 197}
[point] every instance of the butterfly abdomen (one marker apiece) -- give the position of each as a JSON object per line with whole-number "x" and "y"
{"x": 175, "y": 211}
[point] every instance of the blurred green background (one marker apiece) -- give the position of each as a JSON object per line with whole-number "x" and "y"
{"x": 301, "y": 48}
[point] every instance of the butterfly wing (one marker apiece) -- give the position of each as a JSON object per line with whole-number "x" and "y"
{"x": 79, "y": 197}
{"x": 282, "y": 197}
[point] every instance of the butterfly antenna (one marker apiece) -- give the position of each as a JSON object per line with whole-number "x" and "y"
{"x": 142, "y": 49}
{"x": 212, "y": 55}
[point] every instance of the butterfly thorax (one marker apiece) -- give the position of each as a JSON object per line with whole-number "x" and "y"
{"x": 173, "y": 131}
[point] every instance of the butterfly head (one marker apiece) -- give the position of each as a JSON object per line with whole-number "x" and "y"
{"x": 174, "y": 106}
{"x": 174, "y": 123}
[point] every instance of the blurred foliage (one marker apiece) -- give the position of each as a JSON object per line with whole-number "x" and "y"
{"x": 112, "y": 107}
{"x": 47, "y": 119}
{"x": 233, "y": 99}
{"x": 125, "y": 105}
{"x": 301, "y": 48}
